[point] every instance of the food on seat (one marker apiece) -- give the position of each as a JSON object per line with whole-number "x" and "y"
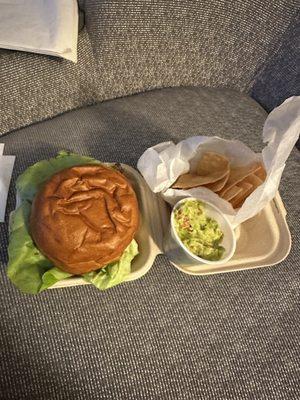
{"x": 189, "y": 181}
{"x": 261, "y": 172}
{"x": 213, "y": 164}
{"x": 217, "y": 186}
{"x": 231, "y": 193}
{"x": 200, "y": 234}
{"x": 84, "y": 217}
{"x": 246, "y": 189}
{"x": 232, "y": 183}
{"x": 75, "y": 216}
{"x": 238, "y": 174}
{"x": 211, "y": 168}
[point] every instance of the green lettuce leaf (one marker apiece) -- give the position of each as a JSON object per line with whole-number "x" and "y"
{"x": 26, "y": 264}
{"x": 29, "y": 270}
{"x": 116, "y": 272}
{"x": 33, "y": 177}
{"x": 52, "y": 276}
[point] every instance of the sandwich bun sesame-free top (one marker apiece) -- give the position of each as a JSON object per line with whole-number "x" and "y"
{"x": 84, "y": 217}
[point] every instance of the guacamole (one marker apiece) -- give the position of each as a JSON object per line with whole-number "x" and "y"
{"x": 200, "y": 234}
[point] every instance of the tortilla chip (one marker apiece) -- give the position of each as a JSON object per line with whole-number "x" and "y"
{"x": 261, "y": 172}
{"x": 238, "y": 174}
{"x": 213, "y": 164}
{"x": 254, "y": 180}
{"x": 247, "y": 188}
{"x": 218, "y": 185}
{"x": 231, "y": 193}
{"x": 189, "y": 181}
{"x": 211, "y": 168}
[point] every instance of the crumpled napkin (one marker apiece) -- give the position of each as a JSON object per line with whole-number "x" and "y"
{"x": 6, "y": 168}
{"x": 162, "y": 164}
{"x": 39, "y": 26}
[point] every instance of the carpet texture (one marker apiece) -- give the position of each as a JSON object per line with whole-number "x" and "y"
{"x": 167, "y": 335}
{"x": 130, "y": 46}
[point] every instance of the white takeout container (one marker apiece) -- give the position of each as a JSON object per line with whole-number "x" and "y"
{"x": 261, "y": 241}
{"x": 177, "y": 253}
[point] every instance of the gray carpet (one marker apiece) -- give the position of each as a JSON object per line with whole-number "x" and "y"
{"x": 168, "y": 335}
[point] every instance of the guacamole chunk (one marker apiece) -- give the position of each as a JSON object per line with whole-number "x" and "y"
{"x": 198, "y": 232}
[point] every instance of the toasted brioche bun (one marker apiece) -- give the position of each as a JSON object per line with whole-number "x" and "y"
{"x": 84, "y": 217}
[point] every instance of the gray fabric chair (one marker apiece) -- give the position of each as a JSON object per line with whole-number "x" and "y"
{"x": 131, "y": 46}
{"x": 167, "y": 335}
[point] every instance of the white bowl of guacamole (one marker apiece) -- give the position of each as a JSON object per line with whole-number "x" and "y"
{"x": 201, "y": 232}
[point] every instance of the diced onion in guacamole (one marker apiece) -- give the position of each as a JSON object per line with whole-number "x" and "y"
{"x": 199, "y": 233}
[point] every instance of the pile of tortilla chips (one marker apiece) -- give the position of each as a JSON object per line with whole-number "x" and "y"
{"x": 233, "y": 184}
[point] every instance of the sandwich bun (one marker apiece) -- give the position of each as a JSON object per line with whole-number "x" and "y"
{"x": 84, "y": 217}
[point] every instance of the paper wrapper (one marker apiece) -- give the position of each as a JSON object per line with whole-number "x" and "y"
{"x": 6, "y": 168}
{"x": 162, "y": 164}
{"x": 39, "y": 26}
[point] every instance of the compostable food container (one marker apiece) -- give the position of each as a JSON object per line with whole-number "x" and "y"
{"x": 261, "y": 241}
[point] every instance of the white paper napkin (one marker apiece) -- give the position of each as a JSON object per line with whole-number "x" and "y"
{"x": 6, "y": 168}
{"x": 39, "y": 26}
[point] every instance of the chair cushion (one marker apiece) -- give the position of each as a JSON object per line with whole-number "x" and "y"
{"x": 167, "y": 335}
{"x": 132, "y": 46}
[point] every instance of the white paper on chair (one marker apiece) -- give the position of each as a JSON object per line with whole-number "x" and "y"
{"x": 162, "y": 164}
{"x": 38, "y": 26}
{"x": 6, "y": 168}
